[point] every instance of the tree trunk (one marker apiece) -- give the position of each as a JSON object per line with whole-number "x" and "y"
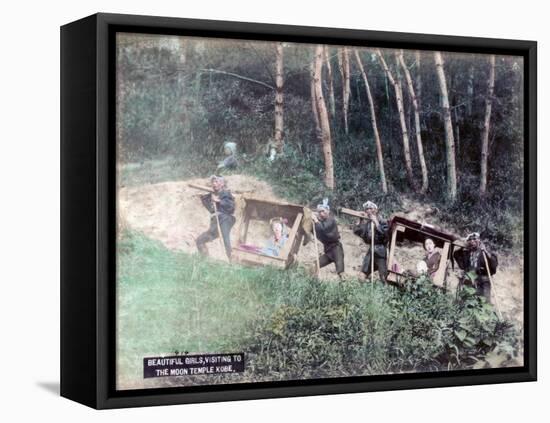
{"x": 120, "y": 103}
{"x": 486, "y": 128}
{"x": 374, "y": 124}
{"x": 279, "y": 141}
{"x": 449, "y": 139}
{"x": 314, "y": 108}
{"x": 323, "y": 117}
{"x": 120, "y": 149}
{"x": 418, "y": 80}
{"x": 344, "y": 70}
{"x": 389, "y": 119}
{"x": 416, "y": 123}
{"x": 330, "y": 83}
{"x": 456, "y": 112}
{"x": 405, "y": 136}
{"x": 180, "y": 80}
{"x": 470, "y": 89}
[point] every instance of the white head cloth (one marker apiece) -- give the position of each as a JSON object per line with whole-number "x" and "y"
{"x": 473, "y": 235}
{"x": 324, "y": 205}
{"x": 231, "y": 146}
{"x": 369, "y": 205}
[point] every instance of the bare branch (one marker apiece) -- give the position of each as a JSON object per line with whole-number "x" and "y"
{"x": 244, "y": 78}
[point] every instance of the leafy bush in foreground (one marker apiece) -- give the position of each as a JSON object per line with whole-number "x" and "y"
{"x": 353, "y": 329}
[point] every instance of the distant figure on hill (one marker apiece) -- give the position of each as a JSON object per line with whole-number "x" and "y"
{"x": 230, "y": 160}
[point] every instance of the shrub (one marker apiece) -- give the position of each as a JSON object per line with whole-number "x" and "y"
{"x": 328, "y": 330}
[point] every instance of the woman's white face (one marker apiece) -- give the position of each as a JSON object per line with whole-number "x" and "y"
{"x": 227, "y": 151}
{"x": 429, "y": 245}
{"x": 277, "y": 230}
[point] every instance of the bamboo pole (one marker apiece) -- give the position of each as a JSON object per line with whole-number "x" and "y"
{"x": 279, "y": 139}
{"x": 486, "y": 128}
{"x": 331, "y": 83}
{"x": 222, "y": 243}
{"x": 200, "y": 187}
{"x": 373, "y": 123}
{"x": 493, "y": 288}
{"x": 449, "y": 137}
{"x": 209, "y": 189}
{"x": 417, "y": 131}
{"x": 354, "y": 213}
{"x": 372, "y": 253}
{"x": 323, "y": 118}
{"x": 317, "y": 265}
{"x": 398, "y": 89}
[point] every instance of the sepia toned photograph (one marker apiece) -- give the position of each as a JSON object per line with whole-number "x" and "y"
{"x": 289, "y": 211}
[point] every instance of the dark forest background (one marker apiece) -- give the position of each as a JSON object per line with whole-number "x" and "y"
{"x": 179, "y": 99}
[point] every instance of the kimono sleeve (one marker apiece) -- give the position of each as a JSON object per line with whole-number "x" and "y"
{"x": 326, "y": 226}
{"x": 493, "y": 262}
{"x": 360, "y": 230}
{"x": 206, "y": 201}
{"x": 383, "y": 228}
{"x": 227, "y": 203}
{"x": 459, "y": 257}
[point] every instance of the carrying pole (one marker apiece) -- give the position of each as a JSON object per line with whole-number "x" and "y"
{"x": 354, "y": 213}
{"x": 317, "y": 266}
{"x": 372, "y": 252}
{"x": 222, "y": 242}
{"x": 493, "y": 288}
{"x": 211, "y": 190}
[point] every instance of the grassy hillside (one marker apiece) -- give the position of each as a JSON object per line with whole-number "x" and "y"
{"x": 290, "y": 325}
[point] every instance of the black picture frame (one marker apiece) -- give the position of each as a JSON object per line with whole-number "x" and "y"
{"x": 88, "y": 210}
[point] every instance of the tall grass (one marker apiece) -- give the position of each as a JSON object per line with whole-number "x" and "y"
{"x": 170, "y": 302}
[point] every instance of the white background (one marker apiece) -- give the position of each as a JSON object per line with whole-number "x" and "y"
{"x": 29, "y": 175}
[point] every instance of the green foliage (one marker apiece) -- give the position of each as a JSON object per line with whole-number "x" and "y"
{"x": 327, "y": 330}
{"x": 291, "y": 176}
{"x": 171, "y": 302}
{"x": 299, "y": 175}
{"x": 291, "y": 325}
{"x": 498, "y": 217}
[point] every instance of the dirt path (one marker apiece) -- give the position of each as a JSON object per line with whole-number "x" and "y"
{"x": 171, "y": 212}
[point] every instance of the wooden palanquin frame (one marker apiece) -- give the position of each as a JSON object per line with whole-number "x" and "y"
{"x": 405, "y": 229}
{"x": 264, "y": 210}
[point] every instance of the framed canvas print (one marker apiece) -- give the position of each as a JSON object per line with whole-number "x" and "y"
{"x": 254, "y": 211}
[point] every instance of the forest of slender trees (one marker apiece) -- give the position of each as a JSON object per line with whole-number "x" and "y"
{"x": 415, "y": 121}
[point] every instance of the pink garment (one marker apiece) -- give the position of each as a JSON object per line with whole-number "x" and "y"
{"x": 250, "y": 248}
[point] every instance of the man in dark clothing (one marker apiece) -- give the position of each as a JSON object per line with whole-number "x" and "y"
{"x": 472, "y": 261}
{"x": 363, "y": 230}
{"x": 326, "y": 230}
{"x": 221, "y": 205}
